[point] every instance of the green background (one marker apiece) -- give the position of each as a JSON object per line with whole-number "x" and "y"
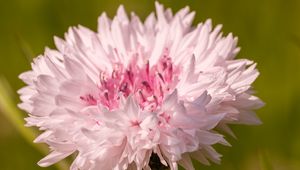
{"x": 268, "y": 31}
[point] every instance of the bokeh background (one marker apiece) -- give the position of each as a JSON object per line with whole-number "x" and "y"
{"x": 268, "y": 31}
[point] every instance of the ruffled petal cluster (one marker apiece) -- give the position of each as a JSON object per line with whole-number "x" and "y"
{"x": 131, "y": 90}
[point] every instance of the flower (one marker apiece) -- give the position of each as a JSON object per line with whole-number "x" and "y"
{"x": 134, "y": 90}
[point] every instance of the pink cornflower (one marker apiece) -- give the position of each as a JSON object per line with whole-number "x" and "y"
{"x": 134, "y": 91}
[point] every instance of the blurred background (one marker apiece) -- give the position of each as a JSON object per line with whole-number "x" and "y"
{"x": 268, "y": 31}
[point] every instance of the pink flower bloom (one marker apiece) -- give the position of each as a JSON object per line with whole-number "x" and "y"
{"x": 134, "y": 89}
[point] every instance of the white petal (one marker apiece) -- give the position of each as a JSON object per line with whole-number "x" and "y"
{"x": 53, "y": 158}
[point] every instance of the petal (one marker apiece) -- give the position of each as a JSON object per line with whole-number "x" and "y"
{"x": 52, "y": 158}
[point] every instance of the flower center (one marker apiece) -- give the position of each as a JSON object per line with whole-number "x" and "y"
{"x": 148, "y": 85}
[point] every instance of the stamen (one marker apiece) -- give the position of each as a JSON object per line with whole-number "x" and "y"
{"x": 89, "y": 99}
{"x": 142, "y": 96}
{"x": 130, "y": 76}
{"x": 147, "y": 68}
{"x": 149, "y": 85}
{"x": 161, "y": 77}
{"x": 146, "y": 84}
{"x": 106, "y": 96}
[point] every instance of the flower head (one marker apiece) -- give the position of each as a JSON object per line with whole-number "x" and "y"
{"x": 135, "y": 89}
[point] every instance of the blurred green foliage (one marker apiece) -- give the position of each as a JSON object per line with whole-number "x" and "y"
{"x": 268, "y": 31}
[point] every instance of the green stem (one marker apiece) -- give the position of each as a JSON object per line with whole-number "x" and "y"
{"x": 265, "y": 164}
